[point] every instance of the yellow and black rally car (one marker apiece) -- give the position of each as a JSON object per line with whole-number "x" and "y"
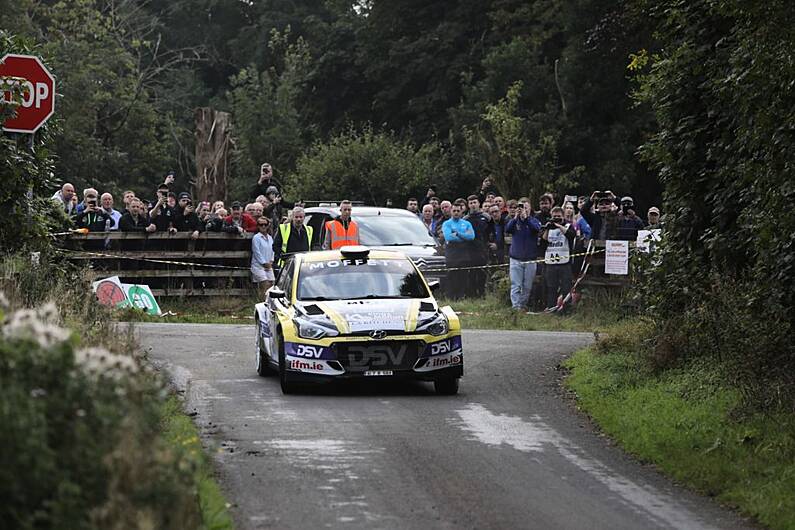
{"x": 356, "y": 313}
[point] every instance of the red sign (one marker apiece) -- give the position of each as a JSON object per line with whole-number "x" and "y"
{"x": 38, "y": 92}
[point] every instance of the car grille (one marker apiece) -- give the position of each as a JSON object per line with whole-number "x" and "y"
{"x": 357, "y": 357}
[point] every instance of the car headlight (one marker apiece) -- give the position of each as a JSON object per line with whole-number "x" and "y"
{"x": 438, "y": 326}
{"x": 311, "y": 330}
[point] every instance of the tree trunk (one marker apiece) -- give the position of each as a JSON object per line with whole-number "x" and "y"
{"x": 213, "y": 137}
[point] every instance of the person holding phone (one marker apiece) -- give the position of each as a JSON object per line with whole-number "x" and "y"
{"x": 524, "y": 228}
{"x": 92, "y": 216}
{"x": 186, "y": 219}
{"x": 265, "y": 181}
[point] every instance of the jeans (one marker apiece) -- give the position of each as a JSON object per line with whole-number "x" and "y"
{"x": 522, "y": 276}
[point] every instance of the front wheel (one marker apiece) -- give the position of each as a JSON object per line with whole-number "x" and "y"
{"x": 263, "y": 365}
{"x": 447, "y": 386}
{"x": 284, "y": 382}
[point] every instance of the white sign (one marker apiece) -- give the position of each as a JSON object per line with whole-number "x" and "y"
{"x": 570, "y": 198}
{"x": 617, "y": 257}
{"x": 647, "y": 239}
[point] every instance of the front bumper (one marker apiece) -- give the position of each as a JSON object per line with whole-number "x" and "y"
{"x": 406, "y": 358}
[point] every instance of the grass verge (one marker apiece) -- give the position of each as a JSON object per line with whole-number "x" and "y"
{"x": 181, "y": 434}
{"x": 595, "y": 312}
{"x": 690, "y": 425}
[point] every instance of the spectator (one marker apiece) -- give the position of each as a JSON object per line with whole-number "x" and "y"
{"x": 487, "y": 187}
{"x": 186, "y": 219}
{"x": 107, "y": 207}
{"x": 89, "y": 194}
{"x": 545, "y": 204}
{"x": 511, "y": 205}
{"x": 524, "y": 228}
{"x": 459, "y": 236}
{"x": 239, "y": 221}
{"x": 343, "y": 230}
{"x": 126, "y": 198}
{"x": 604, "y": 222}
{"x": 428, "y": 220}
{"x": 437, "y": 212}
{"x": 654, "y": 219}
{"x": 292, "y": 237}
{"x": 265, "y": 181}
{"x": 558, "y": 241}
{"x": 169, "y": 180}
{"x": 277, "y": 206}
{"x": 218, "y": 205}
{"x": 628, "y": 222}
{"x": 65, "y": 196}
{"x": 215, "y": 221}
{"x": 497, "y": 233}
{"x": 262, "y": 257}
{"x": 92, "y": 216}
{"x": 579, "y": 223}
{"x": 203, "y": 211}
{"x": 445, "y": 207}
{"x": 412, "y": 206}
{"x": 163, "y": 215}
{"x": 254, "y": 210}
{"x": 135, "y": 219}
{"x": 500, "y": 202}
{"x": 430, "y": 194}
{"x": 480, "y": 251}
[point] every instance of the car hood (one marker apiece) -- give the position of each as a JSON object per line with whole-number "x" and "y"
{"x": 414, "y": 252}
{"x": 353, "y": 316}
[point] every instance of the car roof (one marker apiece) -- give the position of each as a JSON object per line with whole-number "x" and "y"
{"x": 332, "y": 255}
{"x": 363, "y": 211}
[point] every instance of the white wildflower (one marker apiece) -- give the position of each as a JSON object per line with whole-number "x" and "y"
{"x": 5, "y": 305}
{"x": 101, "y": 362}
{"x": 39, "y": 325}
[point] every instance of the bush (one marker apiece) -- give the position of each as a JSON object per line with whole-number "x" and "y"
{"x": 368, "y": 166}
{"x": 80, "y": 445}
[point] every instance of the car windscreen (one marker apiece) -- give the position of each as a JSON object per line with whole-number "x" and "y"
{"x": 348, "y": 279}
{"x": 384, "y": 230}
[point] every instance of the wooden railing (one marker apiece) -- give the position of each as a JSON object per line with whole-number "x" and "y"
{"x": 170, "y": 264}
{"x": 215, "y": 264}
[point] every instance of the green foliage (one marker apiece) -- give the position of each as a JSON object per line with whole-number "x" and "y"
{"x": 686, "y": 422}
{"x": 370, "y": 166}
{"x": 26, "y": 167}
{"x": 266, "y": 115}
{"x": 721, "y": 92}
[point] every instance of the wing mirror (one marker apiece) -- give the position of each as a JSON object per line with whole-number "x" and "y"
{"x": 434, "y": 285}
{"x": 276, "y": 293}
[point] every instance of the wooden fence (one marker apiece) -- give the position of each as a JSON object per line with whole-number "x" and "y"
{"x": 215, "y": 264}
{"x": 203, "y": 266}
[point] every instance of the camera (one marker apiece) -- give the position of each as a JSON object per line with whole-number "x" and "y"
{"x": 550, "y": 225}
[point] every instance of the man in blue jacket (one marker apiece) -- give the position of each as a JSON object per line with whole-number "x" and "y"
{"x": 524, "y": 228}
{"x": 459, "y": 237}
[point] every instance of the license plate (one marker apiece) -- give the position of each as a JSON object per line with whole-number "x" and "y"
{"x": 377, "y": 372}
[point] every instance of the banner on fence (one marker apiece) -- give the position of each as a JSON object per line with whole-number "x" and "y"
{"x": 111, "y": 292}
{"x": 617, "y": 257}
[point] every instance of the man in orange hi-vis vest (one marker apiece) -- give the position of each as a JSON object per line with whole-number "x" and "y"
{"x": 343, "y": 230}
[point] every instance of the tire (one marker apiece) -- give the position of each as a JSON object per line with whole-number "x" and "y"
{"x": 263, "y": 364}
{"x": 284, "y": 381}
{"x": 447, "y": 386}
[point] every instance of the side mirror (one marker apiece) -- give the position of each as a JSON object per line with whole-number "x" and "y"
{"x": 434, "y": 285}
{"x": 276, "y": 293}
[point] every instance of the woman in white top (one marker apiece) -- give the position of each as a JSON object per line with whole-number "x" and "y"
{"x": 262, "y": 257}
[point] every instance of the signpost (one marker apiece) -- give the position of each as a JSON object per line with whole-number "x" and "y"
{"x": 38, "y": 92}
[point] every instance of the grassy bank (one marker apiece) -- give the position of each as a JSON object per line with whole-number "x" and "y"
{"x": 691, "y": 426}
{"x": 181, "y": 434}
{"x": 596, "y": 311}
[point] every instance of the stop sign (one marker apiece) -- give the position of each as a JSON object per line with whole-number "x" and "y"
{"x": 38, "y": 91}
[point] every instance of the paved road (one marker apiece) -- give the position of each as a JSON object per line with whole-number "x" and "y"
{"x": 507, "y": 452}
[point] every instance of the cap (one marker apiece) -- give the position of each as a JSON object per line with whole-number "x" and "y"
{"x": 237, "y": 204}
{"x": 271, "y": 189}
{"x": 627, "y": 199}
{"x": 654, "y": 209}
{"x": 184, "y": 195}
{"x": 171, "y": 173}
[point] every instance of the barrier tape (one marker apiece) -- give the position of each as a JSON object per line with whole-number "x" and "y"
{"x": 232, "y": 267}
{"x": 540, "y": 260}
{"x": 152, "y": 260}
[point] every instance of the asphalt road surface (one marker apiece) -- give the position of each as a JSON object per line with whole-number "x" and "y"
{"x": 509, "y": 451}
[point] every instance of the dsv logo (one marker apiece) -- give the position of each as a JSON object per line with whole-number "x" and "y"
{"x": 373, "y": 356}
{"x": 441, "y": 347}
{"x": 304, "y": 350}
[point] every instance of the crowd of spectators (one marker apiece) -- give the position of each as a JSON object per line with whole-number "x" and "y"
{"x": 473, "y": 230}
{"x": 550, "y": 238}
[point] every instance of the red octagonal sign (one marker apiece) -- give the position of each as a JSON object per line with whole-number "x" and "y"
{"x": 38, "y": 92}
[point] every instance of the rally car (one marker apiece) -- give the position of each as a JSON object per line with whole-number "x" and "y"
{"x": 356, "y": 313}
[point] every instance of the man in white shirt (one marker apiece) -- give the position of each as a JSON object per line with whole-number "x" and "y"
{"x": 107, "y": 205}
